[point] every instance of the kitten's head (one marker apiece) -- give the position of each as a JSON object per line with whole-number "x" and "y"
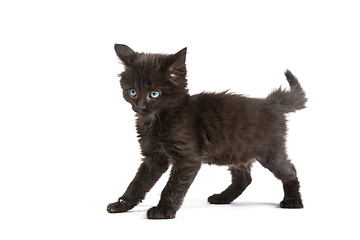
{"x": 152, "y": 83}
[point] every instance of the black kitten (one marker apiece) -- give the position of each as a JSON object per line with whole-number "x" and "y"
{"x": 185, "y": 131}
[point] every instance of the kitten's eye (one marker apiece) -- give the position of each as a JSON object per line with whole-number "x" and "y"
{"x": 132, "y": 93}
{"x": 154, "y": 94}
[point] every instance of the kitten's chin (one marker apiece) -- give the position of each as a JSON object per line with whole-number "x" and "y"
{"x": 151, "y": 117}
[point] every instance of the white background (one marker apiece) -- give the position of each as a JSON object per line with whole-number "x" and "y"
{"x": 68, "y": 145}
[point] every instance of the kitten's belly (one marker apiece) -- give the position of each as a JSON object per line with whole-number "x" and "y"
{"x": 224, "y": 158}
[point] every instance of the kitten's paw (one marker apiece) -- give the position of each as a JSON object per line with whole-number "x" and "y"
{"x": 291, "y": 203}
{"x": 218, "y": 199}
{"x": 160, "y": 213}
{"x": 119, "y": 206}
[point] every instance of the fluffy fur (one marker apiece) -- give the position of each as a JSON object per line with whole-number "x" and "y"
{"x": 183, "y": 131}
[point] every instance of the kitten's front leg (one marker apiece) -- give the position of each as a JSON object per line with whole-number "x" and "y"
{"x": 148, "y": 174}
{"x": 182, "y": 176}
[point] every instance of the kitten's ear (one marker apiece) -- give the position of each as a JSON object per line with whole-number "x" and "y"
{"x": 179, "y": 58}
{"x": 126, "y": 54}
{"x": 176, "y": 63}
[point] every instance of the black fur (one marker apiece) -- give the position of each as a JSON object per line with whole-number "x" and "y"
{"x": 216, "y": 128}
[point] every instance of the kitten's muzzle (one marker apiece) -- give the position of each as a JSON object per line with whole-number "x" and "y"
{"x": 141, "y": 109}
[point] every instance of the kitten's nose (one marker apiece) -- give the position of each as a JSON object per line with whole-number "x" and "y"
{"x": 141, "y": 109}
{"x": 141, "y": 104}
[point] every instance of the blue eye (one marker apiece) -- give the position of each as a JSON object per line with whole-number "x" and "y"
{"x": 132, "y": 93}
{"x": 154, "y": 94}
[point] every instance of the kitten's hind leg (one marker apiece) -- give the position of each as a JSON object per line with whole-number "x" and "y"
{"x": 284, "y": 170}
{"x": 241, "y": 178}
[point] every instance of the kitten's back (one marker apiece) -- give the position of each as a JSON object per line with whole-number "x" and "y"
{"x": 234, "y": 128}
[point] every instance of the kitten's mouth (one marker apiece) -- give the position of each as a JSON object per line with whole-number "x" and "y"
{"x": 141, "y": 111}
{"x": 147, "y": 114}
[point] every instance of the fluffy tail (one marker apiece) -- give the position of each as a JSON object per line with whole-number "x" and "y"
{"x": 292, "y": 100}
